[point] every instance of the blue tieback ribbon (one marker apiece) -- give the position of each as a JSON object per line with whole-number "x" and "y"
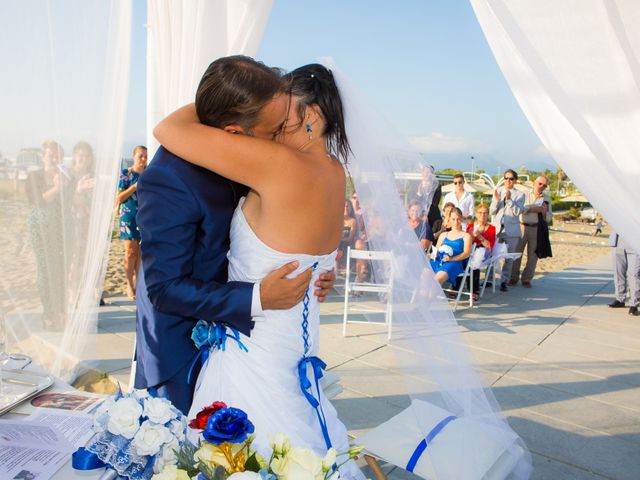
{"x": 422, "y": 446}
{"x": 209, "y": 336}
{"x": 83, "y": 459}
{"x": 317, "y": 366}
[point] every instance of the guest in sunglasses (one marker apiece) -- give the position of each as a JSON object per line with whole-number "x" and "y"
{"x": 506, "y": 206}
{"x": 461, "y": 199}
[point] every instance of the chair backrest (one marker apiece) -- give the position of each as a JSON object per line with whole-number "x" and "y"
{"x": 369, "y": 254}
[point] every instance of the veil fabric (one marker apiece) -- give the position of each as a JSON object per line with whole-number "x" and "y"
{"x": 63, "y": 98}
{"x": 428, "y": 349}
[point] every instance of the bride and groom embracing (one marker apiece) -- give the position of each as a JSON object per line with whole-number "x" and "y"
{"x": 245, "y": 248}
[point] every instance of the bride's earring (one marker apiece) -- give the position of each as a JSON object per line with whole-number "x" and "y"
{"x": 309, "y": 130}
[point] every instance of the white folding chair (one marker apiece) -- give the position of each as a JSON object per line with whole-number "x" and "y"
{"x": 462, "y": 284}
{"x": 383, "y": 288}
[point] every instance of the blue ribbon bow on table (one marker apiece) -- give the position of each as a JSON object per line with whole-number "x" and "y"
{"x": 208, "y": 336}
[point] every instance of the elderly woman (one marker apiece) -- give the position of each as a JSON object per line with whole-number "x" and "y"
{"x": 452, "y": 248}
{"x": 483, "y": 235}
{"x": 128, "y": 201}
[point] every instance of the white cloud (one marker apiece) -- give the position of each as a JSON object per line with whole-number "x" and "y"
{"x": 437, "y": 142}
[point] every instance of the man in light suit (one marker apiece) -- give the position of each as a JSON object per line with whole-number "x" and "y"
{"x": 184, "y": 217}
{"x": 506, "y": 206}
{"x": 624, "y": 257}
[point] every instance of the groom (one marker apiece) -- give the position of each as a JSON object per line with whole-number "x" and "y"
{"x": 184, "y": 217}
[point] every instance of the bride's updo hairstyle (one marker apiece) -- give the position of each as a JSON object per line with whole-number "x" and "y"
{"x": 313, "y": 84}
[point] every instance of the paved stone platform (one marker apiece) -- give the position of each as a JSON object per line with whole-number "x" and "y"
{"x": 564, "y": 367}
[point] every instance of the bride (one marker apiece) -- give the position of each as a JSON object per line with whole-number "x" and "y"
{"x": 294, "y": 211}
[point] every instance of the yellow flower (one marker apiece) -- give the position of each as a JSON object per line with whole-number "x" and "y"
{"x": 171, "y": 472}
{"x": 212, "y": 455}
{"x": 298, "y": 464}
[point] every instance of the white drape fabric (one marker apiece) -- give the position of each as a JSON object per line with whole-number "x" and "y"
{"x": 574, "y": 68}
{"x": 426, "y": 356}
{"x": 184, "y": 37}
{"x": 63, "y": 93}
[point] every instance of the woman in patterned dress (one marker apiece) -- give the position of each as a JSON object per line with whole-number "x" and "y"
{"x": 128, "y": 201}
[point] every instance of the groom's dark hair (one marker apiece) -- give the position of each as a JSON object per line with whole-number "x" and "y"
{"x": 233, "y": 91}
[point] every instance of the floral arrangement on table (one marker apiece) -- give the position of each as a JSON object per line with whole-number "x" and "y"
{"x": 138, "y": 435}
{"x": 225, "y": 453}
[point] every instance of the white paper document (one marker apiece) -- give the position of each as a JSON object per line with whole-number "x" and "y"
{"x": 38, "y": 446}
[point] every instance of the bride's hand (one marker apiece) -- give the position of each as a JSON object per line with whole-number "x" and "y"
{"x": 277, "y": 292}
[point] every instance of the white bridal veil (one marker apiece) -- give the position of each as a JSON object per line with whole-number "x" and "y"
{"x": 428, "y": 348}
{"x": 63, "y": 92}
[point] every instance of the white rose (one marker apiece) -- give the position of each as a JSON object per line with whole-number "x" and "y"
{"x": 298, "y": 464}
{"x": 150, "y": 438}
{"x": 124, "y": 417}
{"x": 178, "y": 428}
{"x": 171, "y": 472}
{"x": 141, "y": 393}
{"x": 167, "y": 456}
{"x": 158, "y": 410}
{"x": 245, "y": 476}
{"x": 280, "y": 444}
{"x": 329, "y": 459}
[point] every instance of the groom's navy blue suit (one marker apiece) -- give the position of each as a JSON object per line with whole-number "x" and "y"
{"x": 184, "y": 216}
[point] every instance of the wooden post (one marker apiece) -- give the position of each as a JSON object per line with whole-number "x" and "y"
{"x": 375, "y": 467}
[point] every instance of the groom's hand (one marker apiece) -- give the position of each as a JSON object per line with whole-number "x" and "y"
{"x": 325, "y": 283}
{"x": 277, "y": 292}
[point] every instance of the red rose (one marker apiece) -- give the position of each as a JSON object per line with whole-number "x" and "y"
{"x": 200, "y": 422}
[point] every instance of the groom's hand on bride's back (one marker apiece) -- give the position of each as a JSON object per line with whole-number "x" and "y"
{"x": 277, "y": 292}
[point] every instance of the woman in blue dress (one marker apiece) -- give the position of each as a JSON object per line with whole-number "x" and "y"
{"x": 452, "y": 248}
{"x": 128, "y": 201}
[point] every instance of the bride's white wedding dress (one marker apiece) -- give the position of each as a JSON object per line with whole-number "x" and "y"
{"x": 264, "y": 381}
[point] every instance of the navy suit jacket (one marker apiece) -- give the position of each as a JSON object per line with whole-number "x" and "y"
{"x": 184, "y": 216}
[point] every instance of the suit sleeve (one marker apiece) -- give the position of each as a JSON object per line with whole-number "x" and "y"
{"x": 515, "y": 206}
{"x": 168, "y": 218}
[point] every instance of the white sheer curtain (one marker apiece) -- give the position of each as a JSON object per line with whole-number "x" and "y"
{"x": 63, "y": 93}
{"x": 184, "y": 37}
{"x": 574, "y": 68}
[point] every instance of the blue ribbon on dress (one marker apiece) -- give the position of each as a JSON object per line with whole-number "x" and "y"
{"x": 317, "y": 366}
{"x": 422, "y": 446}
{"x": 209, "y": 336}
{"x": 83, "y": 459}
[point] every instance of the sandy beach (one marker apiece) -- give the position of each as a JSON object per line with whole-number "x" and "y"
{"x": 572, "y": 245}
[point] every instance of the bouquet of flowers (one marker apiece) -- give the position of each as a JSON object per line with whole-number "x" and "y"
{"x": 138, "y": 435}
{"x": 225, "y": 452}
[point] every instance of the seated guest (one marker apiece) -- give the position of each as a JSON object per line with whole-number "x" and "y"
{"x": 482, "y": 232}
{"x": 361, "y": 240}
{"x": 483, "y": 235}
{"x": 442, "y": 225}
{"x": 452, "y": 248}
{"x": 419, "y": 226}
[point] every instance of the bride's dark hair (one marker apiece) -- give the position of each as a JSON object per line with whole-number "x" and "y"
{"x": 314, "y": 84}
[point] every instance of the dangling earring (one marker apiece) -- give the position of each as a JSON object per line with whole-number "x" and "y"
{"x": 309, "y": 130}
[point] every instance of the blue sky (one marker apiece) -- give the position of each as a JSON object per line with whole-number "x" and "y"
{"x": 424, "y": 63}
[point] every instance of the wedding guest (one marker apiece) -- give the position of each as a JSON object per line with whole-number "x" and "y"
{"x": 430, "y": 206}
{"x": 537, "y": 209}
{"x": 361, "y": 240}
{"x": 506, "y": 206}
{"x": 82, "y": 185}
{"x": 461, "y": 199}
{"x": 483, "y": 235}
{"x": 627, "y": 262}
{"x": 47, "y": 194}
{"x": 349, "y": 230}
{"x": 452, "y": 248}
{"x": 419, "y": 226}
{"x": 128, "y": 200}
{"x": 443, "y": 224}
